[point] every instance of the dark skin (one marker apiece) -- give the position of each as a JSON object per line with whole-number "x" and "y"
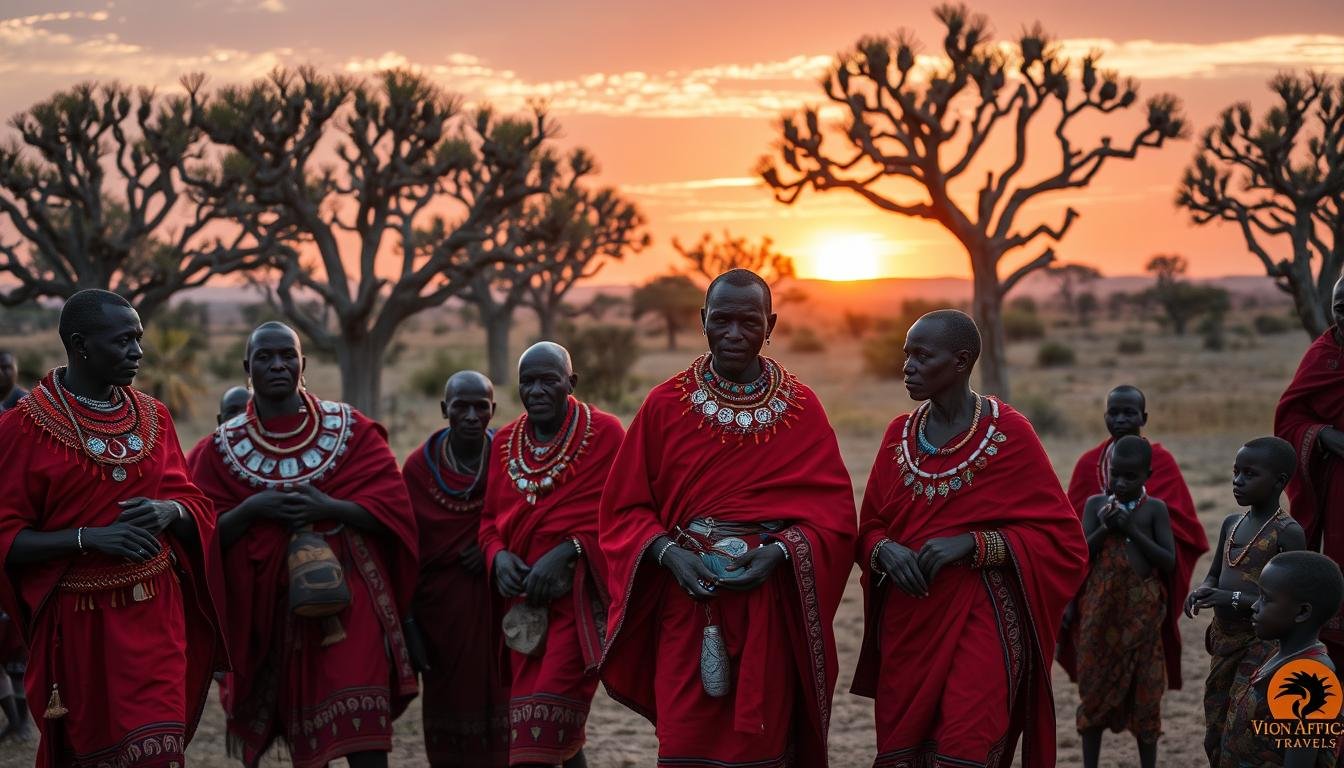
{"x": 1148, "y": 546}
{"x": 107, "y": 354}
{"x": 468, "y": 405}
{"x": 9, "y": 374}
{"x": 1330, "y": 439}
{"x": 936, "y": 372}
{"x": 736, "y": 325}
{"x": 1126, "y": 412}
{"x": 1255, "y": 484}
{"x": 1279, "y": 613}
{"x": 233, "y": 402}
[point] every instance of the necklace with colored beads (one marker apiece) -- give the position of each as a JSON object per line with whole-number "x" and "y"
{"x": 445, "y": 458}
{"x": 929, "y": 484}
{"x": 250, "y": 453}
{"x": 1227, "y": 550}
{"x": 262, "y": 439}
{"x": 927, "y": 447}
{"x": 115, "y": 438}
{"x": 755, "y": 408}
{"x": 535, "y": 468}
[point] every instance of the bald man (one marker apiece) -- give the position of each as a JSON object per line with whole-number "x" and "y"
{"x": 310, "y": 496}
{"x": 466, "y": 718}
{"x": 233, "y": 402}
{"x": 539, "y": 536}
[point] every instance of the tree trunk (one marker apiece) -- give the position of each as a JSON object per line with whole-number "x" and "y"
{"x": 546, "y": 321}
{"x": 671, "y": 333}
{"x": 361, "y": 364}
{"x": 987, "y": 310}
{"x": 498, "y": 324}
{"x": 1312, "y": 307}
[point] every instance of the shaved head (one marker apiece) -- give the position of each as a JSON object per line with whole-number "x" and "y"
{"x": 1133, "y": 448}
{"x": 741, "y": 278}
{"x": 272, "y": 327}
{"x": 233, "y": 402}
{"x": 1129, "y": 390}
{"x": 956, "y": 331}
{"x": 84, "y": 311}
{"x": 468, "y": 384}
{"x": 547, "y": 352}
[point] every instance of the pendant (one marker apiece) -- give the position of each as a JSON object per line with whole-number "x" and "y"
{"x": 119, "y": 473}
{"x": 96, "y": 446}
{"x": 135, "y": 443}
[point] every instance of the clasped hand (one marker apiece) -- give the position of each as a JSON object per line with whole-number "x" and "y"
{"x": 550, "y": 577}
{"x": 135, "y": 534}
{"x": 749, "y": 570}
{"x": 294, "y": 508}
{"x": 914, "y": 572}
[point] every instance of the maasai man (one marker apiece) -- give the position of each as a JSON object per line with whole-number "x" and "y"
{"x": 231, "y": 403}
{"x": 465, "y": 702}
{"x": 965, "y": 518}
{"x": 1127, "y": 414}
{"x": 110, "y": 554}
{"x": 728, "y": 523}
{"x": 13, "y": 655}
{"x": 539, "y": 535}
{"x": 1310, "y": 417}
{"x": 288, "y": 473}
{"x": 10, "y": 391}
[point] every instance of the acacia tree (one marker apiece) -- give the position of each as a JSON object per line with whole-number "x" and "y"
{"x": 927, "y": 128}
{"x": 98, "y": 186}
{"x": 674, "y": 299}
{"x": 1280, "y": 180}
{"x": 401, "y": 145}
{"x": 711, "y": 258}
{"x": 1070, "y": 277}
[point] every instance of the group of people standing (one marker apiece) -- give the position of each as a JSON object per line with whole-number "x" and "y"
{"x": 693, "y": 564}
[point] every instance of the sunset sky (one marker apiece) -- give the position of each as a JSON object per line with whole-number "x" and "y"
{"x": 678, "y": 100}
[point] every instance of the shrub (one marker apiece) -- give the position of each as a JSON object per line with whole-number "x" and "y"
{"x": 884, "y": 355}
{"x": 806, "y": 340}
{"x": 428, "y": 380}
{"x": 1045, "y": 417}
{"x": 1053, "y": 354}
{"x": 1022, "y": 325}
{"x": 857, "y": 324}
{"x": 1130, "y": 345}
{"x": 1269, "y": 325}
{"x": 603, "y": 354}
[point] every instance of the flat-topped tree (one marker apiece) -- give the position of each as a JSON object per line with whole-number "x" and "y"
{"x": 711, "y": 257}
{"x": 925, "y": 127}
{"x": 403, "y": 148}
{"x": 1280, "y": 180}
{"x": 96, "y": 190}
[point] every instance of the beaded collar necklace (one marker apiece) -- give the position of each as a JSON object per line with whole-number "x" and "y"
{"x": 756, "y": 409}
{"x": 1246, "y": 550}
{"x": 438, "y": 455}
{"x": 118, "y": 437}
{"x": 267, "y": 460}
{"x": 535, "y": 467}
{"x": 929, "y": 484}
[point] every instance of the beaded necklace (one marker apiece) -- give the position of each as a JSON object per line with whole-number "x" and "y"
{"x": 1227, "y": 550}
{"x": 925, "y": 446}
{"x": 535, "y": 468}
{"x": 254, "y": 455}
{"x": 930, "y": 484}
{"x": 756, "y": 409}
{"x": 118, "y": 437}
{"x": 443, "y": 457}
{"x": 263, "y": 439}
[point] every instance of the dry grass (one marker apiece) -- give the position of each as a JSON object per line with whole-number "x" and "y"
{"x": 1203, "y": 405}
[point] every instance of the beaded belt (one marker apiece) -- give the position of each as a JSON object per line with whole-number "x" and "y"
{"x": 119, "y": 576}
{"x": 717, "y": 529}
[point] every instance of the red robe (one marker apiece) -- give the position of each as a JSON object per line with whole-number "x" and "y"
{"x": 133, "y": 673}
{"x": 341, "y": 697}
{"x": 674, "y": 468}
{"x": 550, "y": 694}
{"x": 1167, "y": 484}
{"x": 1006, "y": 617}
{"x": 465, "y": 700}
{"x": 1313, "y": 401}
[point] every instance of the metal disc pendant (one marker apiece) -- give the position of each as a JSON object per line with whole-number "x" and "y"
{"x": 119, "y": 473}
{"x": 96, "y": 446}
{"x": 135, "y": 443}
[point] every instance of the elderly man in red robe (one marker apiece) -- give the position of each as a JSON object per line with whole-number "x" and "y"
{"x": 110, "y": 554}
{"x": 465, "y": 700}
{"x": 970, "y": 552}
{"x": 320, "y": 555}
{"x": 1310, "y": 417}
{"x": 728, "y": 524}
{"x": 539, "y": 535}
{"x": 1127, "y": 414}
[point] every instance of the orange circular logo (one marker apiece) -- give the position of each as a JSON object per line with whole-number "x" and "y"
{"x": 1304, "y": 689}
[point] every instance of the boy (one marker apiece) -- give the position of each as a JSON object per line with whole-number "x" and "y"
{"x": 1299, "y": 592}
{"x": 1248, "y": 540}
{"x": 1121, "y": 667}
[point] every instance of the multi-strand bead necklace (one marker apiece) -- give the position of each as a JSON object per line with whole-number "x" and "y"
{"x": 117, "y": 432}
{"x": 911, "y": 453}
{"x": 439, "y": 456}
{"x": 268, "y": 459}
{"x": 754, "y": 409}
{"x": 535, "y": 467}
{"x": 1227, "y": 550}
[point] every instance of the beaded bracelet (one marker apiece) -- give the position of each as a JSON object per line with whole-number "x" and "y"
{"x": 663, "y": 551}
{"x": 872, "y": 558}
{"x": 578, "y": 546}
{"x": 783, "y": 548}
{"x": 978, "y": 558}
{"x": 79, "y": 539}
{"x": 994, "y": 552}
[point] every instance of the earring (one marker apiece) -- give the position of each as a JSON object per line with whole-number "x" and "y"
{"x": 249, "y": 383}
{"x": 303, "y": 382}
{"x": 767, "y": 341}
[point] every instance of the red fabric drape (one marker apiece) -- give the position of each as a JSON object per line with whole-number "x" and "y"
{"x": 48, "y": 486}
{"x": 1313, "y": 401}
{"x": 365, "y": 473}
{"x": 1015, "y": 493}
{"x": 1167, "y": 484}
{"x": 671, "y": 470}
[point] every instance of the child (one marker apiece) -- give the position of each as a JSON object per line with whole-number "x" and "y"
{"x": 1299, "y": 592}
{"x": 1121, "y": 668}
{"x": 1248, "y": 541}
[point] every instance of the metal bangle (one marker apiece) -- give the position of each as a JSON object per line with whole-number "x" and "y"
{"x": 872, "y": 557}
{"x": 783, "y": 549}
{"x": 1236, "y": 600}
{"x": 663, "y": 551}
{"x": 578, "y": 547}
{"x": 79, "y": 539}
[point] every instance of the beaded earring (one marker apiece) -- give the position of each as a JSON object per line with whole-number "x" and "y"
{"x": 249, "y": 383}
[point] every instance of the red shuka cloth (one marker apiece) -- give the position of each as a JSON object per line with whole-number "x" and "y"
{"x": 673, "y": 469}
{"x": 259, "y": 620}
{"x": 1016, "y": 494}
{"x": 563, "y": 678}
{"x": 47, "y": 486}
{"x": 464, "y": 698}
{"x": 1167, "y": 484}
{"x": 1313, "y": 401}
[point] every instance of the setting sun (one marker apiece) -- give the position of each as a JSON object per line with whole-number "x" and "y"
{"x": 842, "y": 257}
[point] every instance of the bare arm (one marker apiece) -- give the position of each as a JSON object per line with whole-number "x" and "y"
{"x": 1154, "y": 540}
{"x": 1093, "y": 527}
{"x": 119, "y": 539}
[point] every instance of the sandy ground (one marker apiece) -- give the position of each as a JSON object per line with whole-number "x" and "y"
{"x": 1203, "y": 406}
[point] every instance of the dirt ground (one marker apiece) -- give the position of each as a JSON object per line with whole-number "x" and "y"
{"x": 1203, "y": 405}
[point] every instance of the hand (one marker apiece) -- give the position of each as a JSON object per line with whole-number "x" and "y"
{"x": 472, "y": 559}
{"x": 1120, "y": 519}
{"x": 902, "y": 566}
{"x": 1192, "y": 600}
{"x": 755, "y": 566}
{"x": 942, "y": 551}
{"x": 552, "y": 576}
{"x": 270, "y": 505}
{"x": 1332, "y": 440}
{"x": 314, "y": 504}
{"x": 690, "y": 572}
{"x": 1214, "y": 598}
{"x": 510, "y": 571}
{"x": 122, "y": 540}
{"x": 149, "y": 514}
